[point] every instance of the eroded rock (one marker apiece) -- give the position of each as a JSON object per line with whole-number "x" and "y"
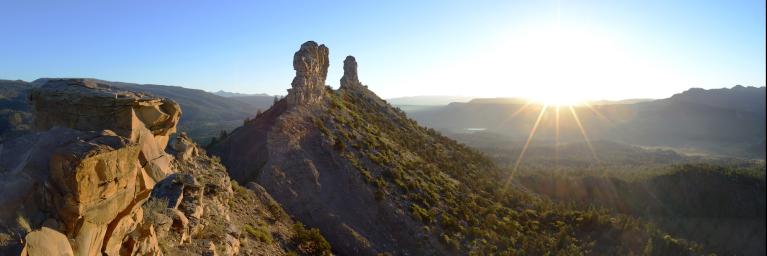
{"x": 184, "y": 148}
{"x": 350, "y": 79}
{"x": 311, "y": 65}
{"x": 90, "y": 105}
{"x": 89, "y": 169}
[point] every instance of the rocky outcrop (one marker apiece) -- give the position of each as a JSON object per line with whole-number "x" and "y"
{"x": 292, "y": 153}
{"x": 200, "y": 211}
{"x": 311, "y": 65}
{"x": 184, "y": 148}
{"x": 350, "y": 79}
{"x": 87, "y": 172}
{"x": 88, "y": 105}
{"x": 96, "y": 180}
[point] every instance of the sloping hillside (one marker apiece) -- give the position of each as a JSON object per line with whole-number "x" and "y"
{"x": 374, "y": 181}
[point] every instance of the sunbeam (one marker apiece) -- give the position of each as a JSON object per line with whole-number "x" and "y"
{"x": 524, "y": 148}
{"x": 556, "y": 140}
{"x": 583, "y": 132}
{"x": 596, "y": 112}
{"x": 527, "y": 104}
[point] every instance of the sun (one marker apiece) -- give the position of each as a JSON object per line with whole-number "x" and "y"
{"x": 563, "y": 64}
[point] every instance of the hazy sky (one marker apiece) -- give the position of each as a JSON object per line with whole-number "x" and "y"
{"x": 586, "y": 49}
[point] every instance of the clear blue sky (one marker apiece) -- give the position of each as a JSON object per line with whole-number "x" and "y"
{"x": 604, "y": 49}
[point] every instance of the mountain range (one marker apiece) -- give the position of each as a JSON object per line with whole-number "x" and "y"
{"x": 718, "y": 121}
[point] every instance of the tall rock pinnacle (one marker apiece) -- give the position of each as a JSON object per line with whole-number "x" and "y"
{"x": 350, "y": 73}
{"x": 311, "y": 65}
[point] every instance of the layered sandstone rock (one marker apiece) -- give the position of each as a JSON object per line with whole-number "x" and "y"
{"x": 88, "y": 105}
{"x": 311, "y": 65}
{"x": 87, "y": 173}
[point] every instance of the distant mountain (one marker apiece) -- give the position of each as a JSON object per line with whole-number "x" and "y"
{"x": 720, "y": 121}
{"x": 15, "y": 111}
{"x": 226, "y": 94}
{"x": 427, "y": 100}
{"x": 738, "y": 98}
{"x": 610, "y": 102}
{"x": 499, "y": 101}
{"x": 256, "y": 102}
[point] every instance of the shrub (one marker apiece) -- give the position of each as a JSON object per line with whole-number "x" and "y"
{"x": 310, "y": 241}
{"x": 260, "y": 233}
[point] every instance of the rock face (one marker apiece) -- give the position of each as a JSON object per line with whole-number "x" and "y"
{"x": 88, "y": 171}
{"x": 87, "y": 105}
{"x": 311, "y": 65}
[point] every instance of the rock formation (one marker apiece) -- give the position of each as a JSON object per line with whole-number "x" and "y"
{"x": 95, "y": 180}
{"x": 88, "y": 105}
{"x": 289, "y": 150}
{"x": 349, "y": 79}
{"x": 88, "y": 171}
{"x": 184, "y": 148}
{"x": 311, "y": 65}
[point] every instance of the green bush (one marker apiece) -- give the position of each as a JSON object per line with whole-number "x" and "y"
{"x": 260, "y": 233}
{"x": 310, "y": 241}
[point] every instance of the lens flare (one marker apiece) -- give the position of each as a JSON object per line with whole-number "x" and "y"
{"x": 524, "y": 148}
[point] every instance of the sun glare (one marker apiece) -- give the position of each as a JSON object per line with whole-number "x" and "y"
{"x": 561, "y": 64}
{"x": 557, "y": 99}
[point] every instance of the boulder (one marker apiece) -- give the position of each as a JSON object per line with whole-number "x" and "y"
{"x": 174, "y": 187}
{"x": 46, "y": 241}
{"x": 184, "y": 148}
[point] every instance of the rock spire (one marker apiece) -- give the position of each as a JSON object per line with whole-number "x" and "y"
{"x": 350, "y": 73}
{"x": 311, "y": 65}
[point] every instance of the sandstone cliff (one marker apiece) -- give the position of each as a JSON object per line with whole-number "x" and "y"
{"x": 88, "y": 176}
